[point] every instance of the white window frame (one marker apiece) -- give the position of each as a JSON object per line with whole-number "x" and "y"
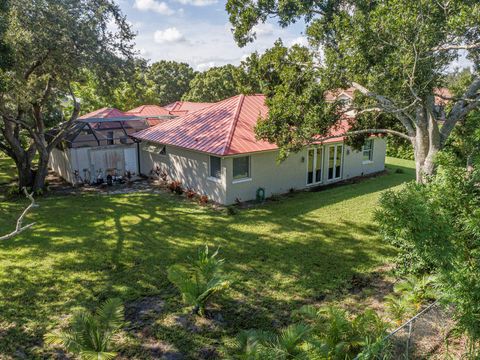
{"x": 370, "y": 152}
{"x": 335, "y": 146}
{"x": 249, "y": 176}
{"x": 210, "y": 177}
{"x": 314, "y": 177}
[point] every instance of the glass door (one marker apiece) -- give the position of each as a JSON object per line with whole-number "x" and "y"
{"x": 335, "y": 157}
{"x": 314, "y": 166}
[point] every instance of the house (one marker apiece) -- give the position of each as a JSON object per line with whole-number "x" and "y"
{"x": 214, "y": 152}
{"x": 100, "y": 142}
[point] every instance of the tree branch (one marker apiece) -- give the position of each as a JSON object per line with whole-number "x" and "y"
{"x": 456, "y": 47}
{"x": 469, "y": 101}
{"x": 366, "y": 131}
{"x": 388, "y": 106}
{"x": 66, "y": 125}
{"x": 19, "y": 228}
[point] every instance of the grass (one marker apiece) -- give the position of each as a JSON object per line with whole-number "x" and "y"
{"x": 84, "y": 249}
{"x": 7, "y": 170}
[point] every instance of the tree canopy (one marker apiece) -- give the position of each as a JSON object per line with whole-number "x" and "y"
{"x": 167, "y": 81}
{"x": 52, "y": 42}
{"x": 213, "y": 85}
{"x": 396, "y": 54}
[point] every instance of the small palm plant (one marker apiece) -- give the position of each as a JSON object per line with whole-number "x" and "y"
{"x": 200, "y": 280}
{"x": 91, "y": 335}
{"x": 290, "y": 343}
{"x": 417, "y": 290}
{"x": 410, "y": 295}
{"x": 339, "y": 335}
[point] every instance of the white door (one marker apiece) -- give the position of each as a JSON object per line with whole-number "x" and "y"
{"x": 314, "y": 166}
{"x": 335, "y": 162}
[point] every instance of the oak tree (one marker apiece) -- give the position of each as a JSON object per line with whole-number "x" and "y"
{"x": 395, "y": 53}
{"x": 51, "y": 43}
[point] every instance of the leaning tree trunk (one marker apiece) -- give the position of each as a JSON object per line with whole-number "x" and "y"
{"x": 426, "y": 144}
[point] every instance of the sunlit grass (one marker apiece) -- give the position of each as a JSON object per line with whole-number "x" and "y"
{"x": 84, "y": 249}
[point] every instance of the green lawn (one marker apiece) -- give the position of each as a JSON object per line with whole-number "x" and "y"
{"x": 7, "y": 170}
{"x": 87, "y": 248}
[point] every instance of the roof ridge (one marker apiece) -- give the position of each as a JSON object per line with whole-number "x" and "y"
{"x": 241, "y": 97}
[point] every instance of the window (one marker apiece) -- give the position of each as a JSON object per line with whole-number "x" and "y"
{"x": 241, "y": 167}
{"x": 314, "y": 166}
{"x": 215, "y": 167}
{"x": 110, "y": 138}
{"x": 367, "y": 150}
{"x": 335, "y": 153}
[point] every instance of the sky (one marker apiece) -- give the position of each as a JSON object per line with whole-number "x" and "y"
{"x": 196, "y": 32}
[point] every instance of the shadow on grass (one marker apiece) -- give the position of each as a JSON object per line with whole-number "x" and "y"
{"x": 88, "y": 248}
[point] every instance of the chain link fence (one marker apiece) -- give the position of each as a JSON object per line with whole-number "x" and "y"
{"x": 422, "y": 335}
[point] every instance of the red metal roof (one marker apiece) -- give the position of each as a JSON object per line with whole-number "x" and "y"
{"x": 224, "y": 128}
{"x": 103, "y": 113}
{"x": 149, "y": 110}
{"x": 184, "y": 107}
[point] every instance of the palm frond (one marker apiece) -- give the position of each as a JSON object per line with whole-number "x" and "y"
{"x": 110, "y": 314}
{"x": 292, "y": 337}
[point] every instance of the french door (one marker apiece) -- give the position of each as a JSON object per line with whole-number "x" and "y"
{"x": 335, "y": 157}
{"x": 314, "y": 166}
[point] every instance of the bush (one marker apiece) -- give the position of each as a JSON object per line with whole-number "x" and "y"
{"x": 436, "y": 227}
{"x": 190, "y": 193}
{"x": 91, "y": 335}
{"x": 325, "y": 333}
{"x": 176, "y": 187}
{"x": 200, "y": 280}
{"x": 203, "y": 200}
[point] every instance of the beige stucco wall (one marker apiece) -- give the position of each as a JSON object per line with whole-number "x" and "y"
{"x": 189, "y": 167}
{"x": 60, "y": 163}
{"x": 65, "y": 162}
{"x": 278, "y": 178}
{"x": 192, "y": 169}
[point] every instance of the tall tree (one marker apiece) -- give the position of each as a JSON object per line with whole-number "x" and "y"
{"x": 395, "y": 53}
{"x": 52, "y": 41}
{"x": 125, "y": 92}
{"x": 167, "y": 81}
{"x": 213, "y": 85}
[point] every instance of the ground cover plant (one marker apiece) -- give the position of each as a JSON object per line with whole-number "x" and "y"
{"x": 88, "y": 248}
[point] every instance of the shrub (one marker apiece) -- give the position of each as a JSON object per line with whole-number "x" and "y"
{"x": 338, "y": 335}
{"x": 176, "y": 187}
{"x": 287, "y": 344}
{"x": 91, "y": 335}
{"x": 190, "y": 193}
{"x": 200, "y": 280}
{"x": 203, "y": 200}
{"x": 436, "y": 228}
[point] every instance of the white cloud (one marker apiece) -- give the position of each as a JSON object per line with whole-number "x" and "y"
{"x": 205, "y": 66}
{"x": 301, "y": 40}
{"x": 170, "y": 35}
{"x": 263, "y": 29}
{"x": 153, "y": 5}
{"x": 197, "y": 2}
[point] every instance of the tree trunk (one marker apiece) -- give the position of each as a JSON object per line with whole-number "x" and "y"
{"x": 420, "y": 150}
{"x": 25, "y": 174}
{"x": 42, "y": 170}
{"x": 427, "y": 141}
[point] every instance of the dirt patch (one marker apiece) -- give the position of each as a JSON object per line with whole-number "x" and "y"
{"x": 141, "y": 315}
{"x": 143, "y": 312}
